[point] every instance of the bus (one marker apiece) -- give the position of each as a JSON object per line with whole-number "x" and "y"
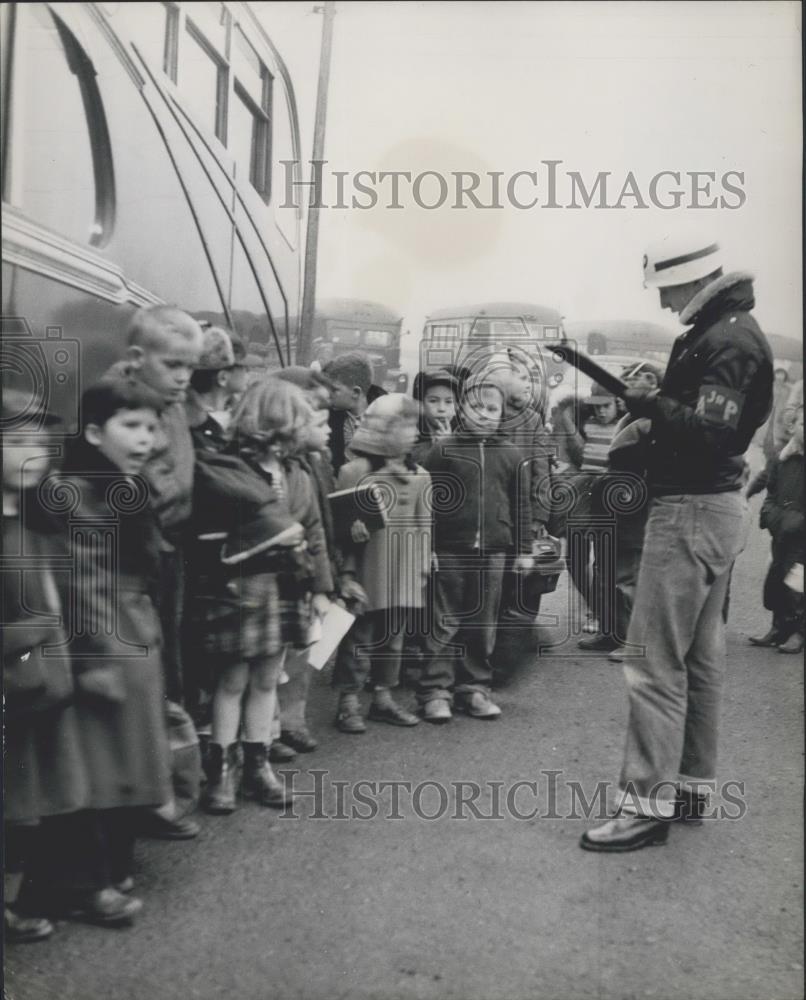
{"x": 623, "y": 338}
{"x": 343, "y": 325}
{"x": 469, "y": 335}
{"x": 142, "y": 162}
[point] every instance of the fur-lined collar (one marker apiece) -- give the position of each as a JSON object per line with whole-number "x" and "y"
{"x": 789, "y": 449}
{"x": 710, "y": 293}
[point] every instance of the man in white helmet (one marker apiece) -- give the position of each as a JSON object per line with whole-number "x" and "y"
{"x": 716, "y": 392}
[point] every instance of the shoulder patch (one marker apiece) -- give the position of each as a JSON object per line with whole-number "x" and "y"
{"x": 720, "y": 405}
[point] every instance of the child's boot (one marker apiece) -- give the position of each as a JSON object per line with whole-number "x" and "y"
{"x": 222, "y": 779}
{"x": 259, "y": 780}
{"x": 348, "y": 716}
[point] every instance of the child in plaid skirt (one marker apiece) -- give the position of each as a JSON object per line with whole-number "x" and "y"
{"x": 264, "y": 594}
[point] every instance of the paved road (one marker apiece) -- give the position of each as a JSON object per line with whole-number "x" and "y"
{"x": 263, "y": 907}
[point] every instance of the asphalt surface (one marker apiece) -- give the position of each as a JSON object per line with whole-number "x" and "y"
{"x": 268, "y": 907}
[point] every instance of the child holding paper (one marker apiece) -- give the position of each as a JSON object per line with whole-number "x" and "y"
{"x": 264, "y": 506}
{"x": 391, "y": 564}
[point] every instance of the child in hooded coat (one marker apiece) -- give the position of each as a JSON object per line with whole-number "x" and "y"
{"x": 392, "y": 564}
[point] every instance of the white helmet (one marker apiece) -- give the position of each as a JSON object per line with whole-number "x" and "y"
{"x": 676, "y": 261}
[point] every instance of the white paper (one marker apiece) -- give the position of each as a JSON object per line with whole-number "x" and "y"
{"x": 335, "y": 626}
{"x": 794, "y": 578}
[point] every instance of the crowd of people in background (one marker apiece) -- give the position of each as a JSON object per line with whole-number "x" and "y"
{"x": 194, "y": 513}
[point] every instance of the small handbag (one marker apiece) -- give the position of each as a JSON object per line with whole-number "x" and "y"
{"x": 549, "y": 563}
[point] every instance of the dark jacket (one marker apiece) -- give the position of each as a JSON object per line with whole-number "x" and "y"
{"x": 43, "y": 764}
{"x": 303, "y": 506}
{"x": 321, "y": 472}
{"x": 782, "y": 510}
{"x": 480, "y": 495}
{"x": 782, "y": 515}
{"x": 113, "y": 537}
{"x": 169, "y": 469}
{"x": 525, "y": 429}
{"x": 338, "y": 446}
{"x": 716, "y": 393}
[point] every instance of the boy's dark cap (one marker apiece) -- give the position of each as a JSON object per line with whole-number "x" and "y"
{"x": 600, "y": 395}
{"x": 24, "y": 408}
{"x": 440, "y": 377}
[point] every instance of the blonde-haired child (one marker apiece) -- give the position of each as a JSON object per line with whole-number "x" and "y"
{"x": 269, "y": 589}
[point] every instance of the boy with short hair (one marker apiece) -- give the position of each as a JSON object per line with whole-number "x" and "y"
{"x": 217, "y": 380}
{"x": 437, "y": 393}
{"x": 165, "y": 344}
{"x": 353, "y": 391}
{"x": 481, "y": 513}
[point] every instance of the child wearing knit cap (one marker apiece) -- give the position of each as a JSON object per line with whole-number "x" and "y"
{"x": 481, "y": 516}
{"x": 392, "y": 564}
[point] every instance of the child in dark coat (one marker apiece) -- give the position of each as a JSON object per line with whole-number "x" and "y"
{"x": 43, "y": 768}
{"x": 481, "y": 515}
{"x": 391, "y": 564}
{"x": 113, "y": 537}
{"x": 782, "y": 515}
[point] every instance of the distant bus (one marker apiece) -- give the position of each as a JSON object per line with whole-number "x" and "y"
{"x": 653, "y": 342}
{"x": 466, "y": 335}
{"x": 625, "y": 338}
{"x": 343, "y": 325}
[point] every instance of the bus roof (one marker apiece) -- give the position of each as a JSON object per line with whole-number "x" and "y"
{"x": 356, "y": 309}
{"x": 500, "y": 310}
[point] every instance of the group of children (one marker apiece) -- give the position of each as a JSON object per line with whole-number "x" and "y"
{"x": 187, "y": 551}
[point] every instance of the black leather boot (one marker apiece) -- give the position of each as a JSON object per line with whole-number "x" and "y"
{"x": 259, "y": 780}
{"x": 773, "y": 638}
{"x": 222, "y": 779}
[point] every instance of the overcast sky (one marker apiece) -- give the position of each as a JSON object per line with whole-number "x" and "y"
{"x": 614, "y": 87}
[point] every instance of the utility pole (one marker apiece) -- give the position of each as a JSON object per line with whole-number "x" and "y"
{"x": 312, "y": 232}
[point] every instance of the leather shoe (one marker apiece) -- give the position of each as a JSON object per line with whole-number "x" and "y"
{"x": 107, "y": 907}
{"x": 299, "y": 740}
{"x": 478, "y": 705}
{"x": 625, "y": 833}
{"x": 772, "y": 638}
{"x": 279, "y": 753}
{"x": 157, "y": 827}
{"x": 794, "y": 644}
{"x": 599, "y": 643}
{"x": 689, "y": 807}
{"x": 438, "y": 710}
{"x": 21, "y": 929}
{"x": 389, "y": 711}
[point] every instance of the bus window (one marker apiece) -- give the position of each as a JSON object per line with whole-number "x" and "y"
{"x": 61, "y": 169}
{"x": 250, "y": 117}
{"x": 344, "y": 336}
{"x": 444, "y": 333}
{"x": 377, "y": 338}
{"x": 508, "y": 328}
{"x": 202, "y": 80}
{"x": 153, "y": 29}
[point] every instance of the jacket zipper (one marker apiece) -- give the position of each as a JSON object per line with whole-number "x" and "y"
{"x": 481, "y": 495}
